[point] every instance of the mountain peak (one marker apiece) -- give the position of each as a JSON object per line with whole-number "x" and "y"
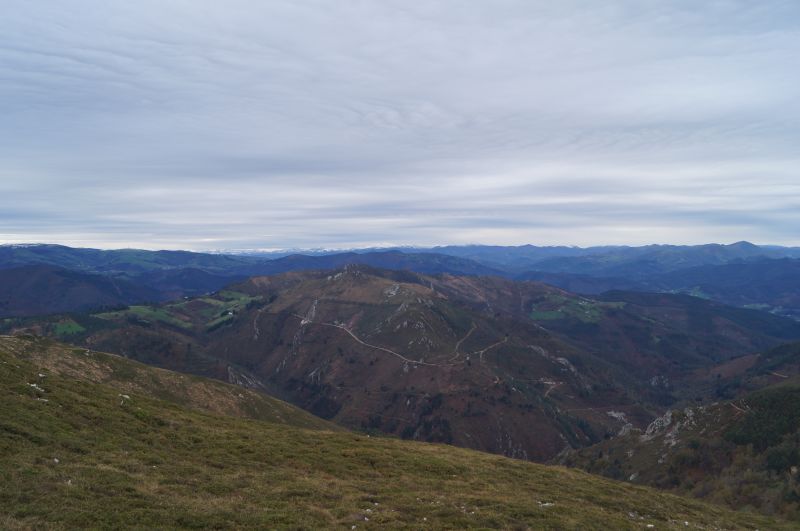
{"x": 744, "y": 245}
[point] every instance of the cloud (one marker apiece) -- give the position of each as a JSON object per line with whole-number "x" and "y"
{"x": 199, "y": 124}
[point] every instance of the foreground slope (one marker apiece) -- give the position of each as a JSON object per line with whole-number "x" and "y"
{"x": 75, "y": 453}
{"x": 128, "y": 377}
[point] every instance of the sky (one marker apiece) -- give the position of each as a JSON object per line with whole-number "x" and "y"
{"x": 199, "y": 124}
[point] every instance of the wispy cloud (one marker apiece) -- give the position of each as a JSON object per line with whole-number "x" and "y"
{"x": 305, "y": 123}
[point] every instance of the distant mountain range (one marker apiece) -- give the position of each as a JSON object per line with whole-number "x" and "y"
{"x": 741, "y": 274}
{"x": 91, "y": 278}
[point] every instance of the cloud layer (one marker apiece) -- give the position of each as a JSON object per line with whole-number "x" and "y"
{"x": 245, "y": 124}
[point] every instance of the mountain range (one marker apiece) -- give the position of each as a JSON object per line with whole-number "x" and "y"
{"x": 741, "y": 274}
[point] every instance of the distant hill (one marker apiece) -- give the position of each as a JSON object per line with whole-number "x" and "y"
{"x": 187, "y": 281}
{"x": 100, "y": 450}
{"x": 659, "y": 334}
{"x": 585, "y": 284}
{"x": 772, "y": 285}
{"x": 181, "y": 273}
{"x": 762, "y": 283}
{"x": 117, "y": 262}
{"x": 641, "y": 262}
{"x": 609, "y": 261}
{"x": 427, "y": 263}
{"x": 37, "y": 290}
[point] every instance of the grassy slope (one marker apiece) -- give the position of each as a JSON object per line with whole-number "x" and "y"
{"x": 129, "y": 377}
{"x": 89, "y": 457}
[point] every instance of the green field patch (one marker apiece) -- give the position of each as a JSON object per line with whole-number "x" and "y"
{"x": 158, "y": 314}
{"x": 561, "y": 307}
{"x": 147, "y": 313}
{"x": 67, "y": 327}
{"x": 223, "y": 310}
{"x": 212, "y": 302}
{"x": 111, "y": 316}
{"x": 216, "y": 323}
{"x": 235, "y": 296}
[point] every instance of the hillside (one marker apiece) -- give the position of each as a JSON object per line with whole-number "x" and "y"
{"x": 772, "y": 285}
{"x": 480, "y": 362}
{"x": 641, "y": 262}
{"x": 116, "y": 262}
{"x": 740, "y": 376}
{"x": 427, "y": 263}
{"x": 376, "y": 350}
{"x": 743, "y": 453}
{"x": 130, "y": 377}
{"x": 606, "y": 260}
{"x": 37, "y": 290}
{"x": 77, "y": 454}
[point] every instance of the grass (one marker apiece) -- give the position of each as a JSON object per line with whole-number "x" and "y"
{"x": 67, "y": 327}
{"x": 216, "y": 323}
{"x": 562, "y": 307}
{"x": 223, "y": 308}
{"x": 127, "y": 376}
{"x": 199, "y": 314}
{"x": 75, "y": 453}
{"x": 148, "y": 313}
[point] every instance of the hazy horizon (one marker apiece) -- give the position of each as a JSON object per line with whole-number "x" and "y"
{"x": 266, "y": 250}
